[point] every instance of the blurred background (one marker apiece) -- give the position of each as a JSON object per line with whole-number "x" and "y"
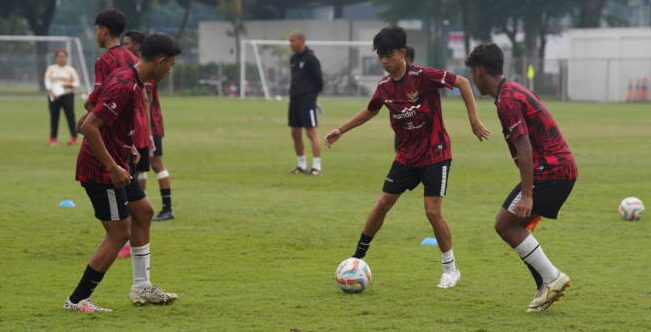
{"x": 581, "y": 50}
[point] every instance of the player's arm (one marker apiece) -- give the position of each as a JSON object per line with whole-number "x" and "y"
{"x": 469, "y": 99}
{"x": 522, "y": 146}
{"x": 47, "y": 82}
{"x": 317, "y": 76}
{"x": 357, "y": 120}
{"x": 90, "y": 128}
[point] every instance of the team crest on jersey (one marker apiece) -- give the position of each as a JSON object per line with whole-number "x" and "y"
{"x": 301, "y": 64}
{"x": 413, "y": 96}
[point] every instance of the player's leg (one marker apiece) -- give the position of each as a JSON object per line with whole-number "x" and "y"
{"x": 310, "y": 123}
{"x": 316, "y": 151}
{"x": 296, "y": 125}
{"x": 163, "y": 177}
{"x": 68, "y": 102}
{"x": 141, "y": 210}
{"x": 550, "y": 281}
{"x": 399, "y": 179}
{"x": 374, "y": 222}
{"x": 435, "y": 181}
{"x": 54, "y": 109}
{"x": 109, "y": 205}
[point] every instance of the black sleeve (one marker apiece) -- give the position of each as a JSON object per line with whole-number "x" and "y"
{"x": 315, "y": 72}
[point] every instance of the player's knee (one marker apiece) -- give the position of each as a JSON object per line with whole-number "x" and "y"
{"x": 434, "y": 215}
{"x": 119, "y": 235}
{"x": 296, "y": 135}
{"x": 500, "y": 226}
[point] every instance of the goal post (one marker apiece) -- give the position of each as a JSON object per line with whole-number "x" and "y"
{"x": 18, "y": 60}
{"x": 349, "y": 67}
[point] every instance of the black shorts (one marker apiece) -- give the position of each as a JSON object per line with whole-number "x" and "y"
{"x": 158, "y": 143}
{"x": 143, "y": 164}
{"x": 302, "y": 111}
{"x": 434, "y": 178}
{"x": 548, "y": 197}
{"x": 109, "y": 202}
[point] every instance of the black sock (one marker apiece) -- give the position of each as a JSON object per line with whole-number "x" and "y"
{"x": 86, "y": 285}
{"x": 362, "y": 245}
{"x": 166, "y": 194}
{"x": 535, "y": 274}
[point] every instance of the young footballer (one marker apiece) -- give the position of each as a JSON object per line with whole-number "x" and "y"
{"x": 546, "y": 165}
{"x": 411, "y": 95}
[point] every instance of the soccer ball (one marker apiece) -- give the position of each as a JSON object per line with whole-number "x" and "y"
{"x": 631, "y": 208}
{"x": 353, "y": 275}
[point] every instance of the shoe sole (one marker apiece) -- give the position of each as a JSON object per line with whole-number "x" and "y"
{"x": 557, "y": 295}
{"x": 145, "y": 302}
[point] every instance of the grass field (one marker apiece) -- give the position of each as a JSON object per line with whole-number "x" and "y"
{"x": 254, "y": 248}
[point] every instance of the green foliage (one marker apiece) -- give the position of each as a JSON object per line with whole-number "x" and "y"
{"x": 255, "y": 249}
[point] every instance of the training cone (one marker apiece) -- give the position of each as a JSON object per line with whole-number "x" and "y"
{"x": 429, "y": 241}
{"x": 67, "y": 203}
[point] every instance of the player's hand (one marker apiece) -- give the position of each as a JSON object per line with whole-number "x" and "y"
{"x": 152, "y": 145}
{"x": 332, "y": 137}
{"x": 479, "y": 130}
{"x": 523, "y": 208}
{"x": 119, "y": 176}
{"x": 135, "y": 154}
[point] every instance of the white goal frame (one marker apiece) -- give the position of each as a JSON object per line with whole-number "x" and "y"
{"x": 256, "y": 53}
{"x": 69, "y": 42}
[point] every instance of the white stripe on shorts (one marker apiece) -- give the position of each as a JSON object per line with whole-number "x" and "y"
{"x": 312, "y": 118}
{"x": 444, "y": 179}
{"x": 515, "y": 202}
{"x": 113, "y": 204}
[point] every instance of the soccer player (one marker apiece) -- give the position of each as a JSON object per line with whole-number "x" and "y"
{"x": 132, "y": 40}
{"x": 103, "y": 170}
{"x": 306, "y": 83}
{"x": 411, "y": 94}
{"x": 547, "y": 170}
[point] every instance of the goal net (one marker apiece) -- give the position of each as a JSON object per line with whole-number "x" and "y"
{"x": 24, "y": 59}
{"x": 349, "y": 68}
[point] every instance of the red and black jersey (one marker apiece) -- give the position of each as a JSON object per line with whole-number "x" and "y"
{"x": 114, "y": 58}
{"x": 119, "y": 99}
{"x": 521, "y": 113}
{"x": 156, "y": 112}
{"x": 415, "y": 113}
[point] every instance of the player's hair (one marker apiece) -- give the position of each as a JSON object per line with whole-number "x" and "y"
{"x": 298, "y": 34}
{"x": 159, "y": 44}
{"x": 489, "y": 56}
{"x": 410, "y": 54}
{"x": 60, "y": 51}
{"x": 389, "y": 39}
{"x": 136, "y": 36}
{"x": 113, "y": 19}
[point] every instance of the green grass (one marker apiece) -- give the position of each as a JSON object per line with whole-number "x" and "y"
{"x": 254, "y": 248}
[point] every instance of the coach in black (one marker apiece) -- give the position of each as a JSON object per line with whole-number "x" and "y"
{"x": 306, "y": 84}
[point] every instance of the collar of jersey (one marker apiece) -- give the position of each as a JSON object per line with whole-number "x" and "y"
{"x": 403, "y": 76}
{"x": 499, "y": 87}
{"x": 137, "y": 76}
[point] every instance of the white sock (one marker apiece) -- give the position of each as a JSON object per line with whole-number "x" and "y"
{"x": 316, "y": 163}
{"x": 301, "y": 161}
{"x": 140, "y": 264}
{"x": 531, "y": 252}
{"x": 447, "y": 260}
{"x": 127, "y": 244}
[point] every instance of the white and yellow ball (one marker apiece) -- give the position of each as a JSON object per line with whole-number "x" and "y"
{"x": 631, "y": 209}
{"x": 353, "y": 275}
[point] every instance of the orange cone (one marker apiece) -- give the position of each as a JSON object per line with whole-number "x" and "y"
{"x": 629, "y": 92}
{"x": 645, "y": 89}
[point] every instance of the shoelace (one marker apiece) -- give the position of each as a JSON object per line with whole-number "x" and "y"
{"x": 153, "y": 290}
{"x": 90, "y": 304}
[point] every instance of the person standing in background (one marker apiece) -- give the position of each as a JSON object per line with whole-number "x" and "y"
{"x": 60, "y": 81}
{"x": 306, "y": 84}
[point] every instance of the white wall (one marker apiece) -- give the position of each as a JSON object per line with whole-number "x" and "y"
{"x": 603, "y": 62}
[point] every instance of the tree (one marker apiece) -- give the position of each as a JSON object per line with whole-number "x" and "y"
{"x": 232, "y": 11}
{"x": 588, "y": 13}
{"x": 39, "y": 15}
